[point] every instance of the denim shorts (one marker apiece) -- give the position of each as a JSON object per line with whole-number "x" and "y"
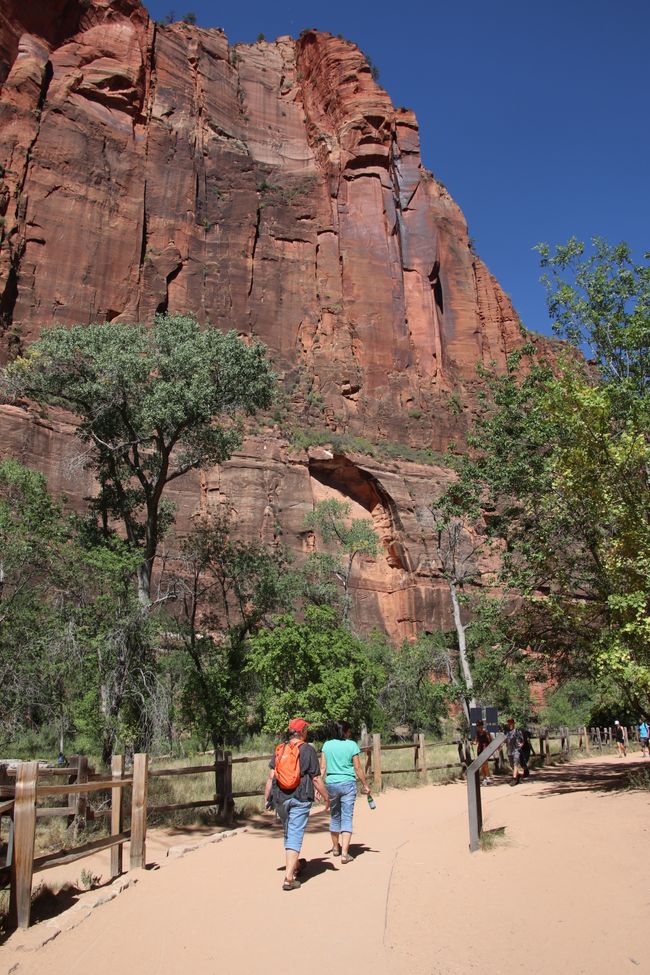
{"x": 342, "y": 798}
{"x": 294, "y": 814}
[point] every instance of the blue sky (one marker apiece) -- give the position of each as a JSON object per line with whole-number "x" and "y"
{"x": 534, "y": 115}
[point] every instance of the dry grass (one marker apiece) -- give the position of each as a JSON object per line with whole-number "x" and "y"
{"x": 640, "y": 781}
{"x": 492, "y": 839}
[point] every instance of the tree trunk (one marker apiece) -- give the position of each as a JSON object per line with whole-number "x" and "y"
{"x": 462, "y": 649}
{"x": 144, "y": 584}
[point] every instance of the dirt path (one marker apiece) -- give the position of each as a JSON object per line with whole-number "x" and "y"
{"x": 567, "y": 891}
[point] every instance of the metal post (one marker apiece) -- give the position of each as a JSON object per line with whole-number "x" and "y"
{"x": 474, "y": 808}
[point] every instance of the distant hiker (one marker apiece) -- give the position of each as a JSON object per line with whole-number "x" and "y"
{"x": 514, "y": 744}
{"x": 340, "y": 766}
{"x": 619, "y": 738}
{"x": 483, "y": 739}
{"x": 525, "y": 751}
{"x": 644, "y": 737}
{"x": 294, "y": 772}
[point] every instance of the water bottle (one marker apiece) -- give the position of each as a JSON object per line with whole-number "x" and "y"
{"x": 371, "y": 802}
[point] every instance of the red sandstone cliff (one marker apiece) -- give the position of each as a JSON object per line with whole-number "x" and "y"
{"x": 272, "y": 188}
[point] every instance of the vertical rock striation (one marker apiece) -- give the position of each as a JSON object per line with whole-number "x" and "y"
{"x": 270, "y": 188}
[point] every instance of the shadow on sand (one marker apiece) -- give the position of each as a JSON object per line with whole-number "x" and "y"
{"x": 589, "y": 777}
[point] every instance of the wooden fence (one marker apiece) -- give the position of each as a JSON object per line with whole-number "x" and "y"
{"x": 23, "y": 788}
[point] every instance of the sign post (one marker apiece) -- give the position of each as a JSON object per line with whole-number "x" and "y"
{"x": 474, "y": 791}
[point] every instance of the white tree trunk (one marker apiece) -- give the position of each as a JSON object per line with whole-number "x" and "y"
{"x": 462, "y": 648}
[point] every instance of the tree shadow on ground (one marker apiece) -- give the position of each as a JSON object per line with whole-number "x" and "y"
{"x": 589, "y": 777}
{"x": 269, "y": 823}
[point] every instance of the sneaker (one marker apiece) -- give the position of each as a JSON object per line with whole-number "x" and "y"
{"x": 515, "y": 782}
{"x": 487, "y": 781}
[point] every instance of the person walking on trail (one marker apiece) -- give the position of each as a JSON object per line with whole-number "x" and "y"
{"x": 619, "y": 738}
{"x": 483, "y": 739}
{"x": 340, "y": 767}
{"x": 644, "y": 737}
{"x": 514, "y": 744}
{"x": 293, "y": 774}
{"x": 525, "y": 751}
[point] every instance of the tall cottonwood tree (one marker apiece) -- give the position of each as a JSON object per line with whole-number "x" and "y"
{"x": 152, "y": 404}
{"x": 562, "y": 455}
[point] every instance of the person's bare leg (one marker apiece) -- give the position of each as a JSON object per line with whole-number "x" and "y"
{"x": 292, "y": 863}
{"x": 336, "y": 842}
{"x": 345, "y": 843}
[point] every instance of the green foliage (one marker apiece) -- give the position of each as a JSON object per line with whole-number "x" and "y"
{"x": 71, "y": 630}
{"x": 561, "y": 465}
{"x": 410, "y": 695}
{"x": 570, "y": 705}
{"x": 315, "y": 668}
{"x": 351, "y": 538}
{"x": 343, "y": 443}
{"x": 226, "y": 590}
{"x": 602, "y": 302}
{"x": 147, "y": 402}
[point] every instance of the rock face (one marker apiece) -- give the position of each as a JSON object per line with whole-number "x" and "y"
{"x": 270, "y": 188}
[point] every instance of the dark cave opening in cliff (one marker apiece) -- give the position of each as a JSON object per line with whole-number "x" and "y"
{"x": 356, "y": 484}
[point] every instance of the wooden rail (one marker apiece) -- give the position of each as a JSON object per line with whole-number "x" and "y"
{"x": 22, "y": 809}
{"x": 21, "y": 861}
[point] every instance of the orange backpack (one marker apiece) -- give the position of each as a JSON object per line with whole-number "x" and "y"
{"x": 287, "y": 764}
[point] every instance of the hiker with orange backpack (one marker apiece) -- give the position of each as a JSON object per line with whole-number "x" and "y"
{"x": 293, "y": 773}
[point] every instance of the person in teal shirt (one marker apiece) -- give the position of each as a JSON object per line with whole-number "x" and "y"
{"x": 340, "y": 767}
{"x": 644, "y": 737}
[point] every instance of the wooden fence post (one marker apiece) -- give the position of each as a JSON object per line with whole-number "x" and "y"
{"x": 587, "y": 742}
{"x": 547, "y": 744}
{"x": 365, "y": 743}
{"x": 220, "y": 779}
{"x": 139, "y": 812}
{"x": 541, "y": 748}
{"x": 6, "y": 784}
{"x": 376, "y": 762}
{"x": 600, "y": 740}
{"x": 22, "y": 867}
{"x": 81, "y": 798}
{"x": 420, "y": 757}
{"x": 117, "y": 772}
{"x": 229, "y": 802}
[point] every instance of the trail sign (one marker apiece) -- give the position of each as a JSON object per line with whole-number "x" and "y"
{"x": 488, "y": 715}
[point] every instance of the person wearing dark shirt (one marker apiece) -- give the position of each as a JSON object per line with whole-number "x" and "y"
{"x": 514, "y": 744}
{"x": 293, "y": 805}
{"x": 619, "y": 737}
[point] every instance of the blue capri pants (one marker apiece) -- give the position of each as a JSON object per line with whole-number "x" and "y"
{"x": 342, "y": 798}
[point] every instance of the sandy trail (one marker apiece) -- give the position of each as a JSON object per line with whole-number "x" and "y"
{"x": 568, "y": 891}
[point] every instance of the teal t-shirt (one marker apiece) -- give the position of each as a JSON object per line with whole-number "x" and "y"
{"x": 338, "y": 756}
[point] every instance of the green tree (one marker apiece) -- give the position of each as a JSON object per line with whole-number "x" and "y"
{"x": 32, "y": 538}
{"x": 409, "y": 695}
{"x": 72, "y": 633}
{"x": 152, "y": 403}
{"x": 315, "y": 668}
{"x": 560, "y": 465}
{"x": 226, "y": 590}
{"x": 351, "y": 539}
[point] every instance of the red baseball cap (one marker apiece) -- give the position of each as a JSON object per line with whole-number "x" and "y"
{"x": 298, "y": 724}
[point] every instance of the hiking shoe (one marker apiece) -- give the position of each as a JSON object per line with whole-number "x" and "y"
{"x": 291, "y": 884}
{"x": 515, "y": 782}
